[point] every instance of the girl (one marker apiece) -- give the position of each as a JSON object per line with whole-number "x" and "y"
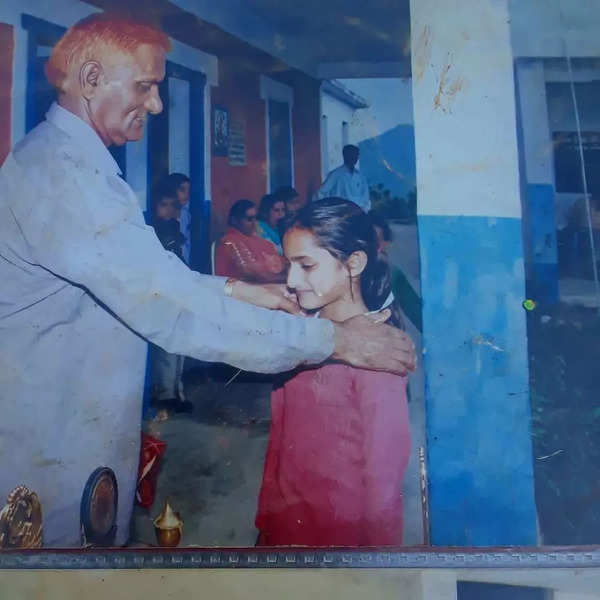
{"x": 339, "y": 440}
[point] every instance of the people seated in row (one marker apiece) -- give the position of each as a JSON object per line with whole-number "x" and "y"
{"x": 270, "y": 215}
{"x": 243, "y": 254}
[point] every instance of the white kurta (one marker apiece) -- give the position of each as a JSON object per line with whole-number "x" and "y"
{"x": 84, "y": 284}
{"x": 342, "y": 183}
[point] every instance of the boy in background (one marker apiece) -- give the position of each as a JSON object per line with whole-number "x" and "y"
{"x": 166, "y": 387}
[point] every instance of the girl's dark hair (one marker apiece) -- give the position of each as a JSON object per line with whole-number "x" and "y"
{"x": 341, "y": 228}
{"x": 380, "y": 221}
{"x": 238, "y": 210}
{"x": 266, "y": 204}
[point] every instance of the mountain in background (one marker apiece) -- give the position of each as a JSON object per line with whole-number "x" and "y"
{"x": 389, "y": 159}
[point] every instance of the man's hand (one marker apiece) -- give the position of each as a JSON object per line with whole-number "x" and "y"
{"x": 272, "y": 295}
{"x": 367, "y": 343}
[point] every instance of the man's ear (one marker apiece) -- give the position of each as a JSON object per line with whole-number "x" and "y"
{"x": 90, "y": 76}
{"x": 356, "y": 263}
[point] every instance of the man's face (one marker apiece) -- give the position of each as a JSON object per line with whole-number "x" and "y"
{"x": 126, "y": 93}
{"x": 293, "y": 205}
{"x": 350, "y": 157}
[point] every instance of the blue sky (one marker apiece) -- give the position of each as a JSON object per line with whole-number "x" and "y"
{"x": 390, "y": 103}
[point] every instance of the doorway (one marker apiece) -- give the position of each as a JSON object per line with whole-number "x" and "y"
{"x": 176, "y": 144}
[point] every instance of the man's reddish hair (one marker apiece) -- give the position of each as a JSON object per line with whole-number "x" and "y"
{"x": 86, "y": 39}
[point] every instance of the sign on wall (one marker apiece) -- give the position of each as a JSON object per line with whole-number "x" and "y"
{"x": 220, "y": 131}
{"x": 237, "y": 144}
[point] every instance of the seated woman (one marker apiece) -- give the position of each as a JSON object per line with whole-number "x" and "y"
{"x": 242, "y": 254}
{"x": 270, "y": 214}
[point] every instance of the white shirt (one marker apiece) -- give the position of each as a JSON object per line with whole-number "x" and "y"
{"x": 342, "y": 183}
{"x": 84, "y": 284}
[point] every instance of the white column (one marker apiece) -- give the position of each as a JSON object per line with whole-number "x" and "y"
{"x": 472, "y": 277}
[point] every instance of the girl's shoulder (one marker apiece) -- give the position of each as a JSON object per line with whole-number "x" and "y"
{"x": 345, "y": 375}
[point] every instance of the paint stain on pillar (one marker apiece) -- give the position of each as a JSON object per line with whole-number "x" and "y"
{"x": 447, "y": 90}
{"x": 422, "y": 53}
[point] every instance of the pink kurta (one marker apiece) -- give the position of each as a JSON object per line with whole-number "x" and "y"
{"x": 338, "y": 448}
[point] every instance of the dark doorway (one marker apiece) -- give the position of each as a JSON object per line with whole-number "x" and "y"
{"x": 471, "y": 590}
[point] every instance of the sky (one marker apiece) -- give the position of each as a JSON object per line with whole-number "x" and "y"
{"x": 390, "y": 104}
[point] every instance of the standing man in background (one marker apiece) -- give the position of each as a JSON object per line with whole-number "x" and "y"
{"x": 347, "y": 181}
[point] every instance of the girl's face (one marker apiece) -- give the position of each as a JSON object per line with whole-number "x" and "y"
{"x": 314, "y": 274}
{"x": 276, "y": 213}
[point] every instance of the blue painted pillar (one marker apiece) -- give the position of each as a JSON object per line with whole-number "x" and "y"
{"x": 472, "y": 275}
{"x": 541, "y": 256}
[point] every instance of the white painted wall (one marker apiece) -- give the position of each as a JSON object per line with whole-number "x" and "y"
{"x": 464, "y": 109}
{"x": 65, "y": 13}
{"x": 542, "y": 28}
{"x": 179, "y": 126}
{"x": 337, "y": 113}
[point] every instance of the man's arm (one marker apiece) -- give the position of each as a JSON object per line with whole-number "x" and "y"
{"x": 79, "y": 229}
{"x": 92, "y": 234}
{"x": 366, "y": 195}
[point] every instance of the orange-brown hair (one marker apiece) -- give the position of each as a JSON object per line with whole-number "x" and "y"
{"x": 88, "y": 37}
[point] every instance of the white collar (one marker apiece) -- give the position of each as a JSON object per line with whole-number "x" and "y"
{"x": 386, "y": 304}
{"x": 85, "y": 137}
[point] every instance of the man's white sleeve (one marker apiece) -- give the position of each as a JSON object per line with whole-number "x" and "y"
{"x": 89, "y": 230}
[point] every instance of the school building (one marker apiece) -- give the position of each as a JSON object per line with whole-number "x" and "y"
{"x": 251, "y": 102}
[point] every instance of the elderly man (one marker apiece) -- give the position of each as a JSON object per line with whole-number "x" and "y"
{"x": 85, "y": 283}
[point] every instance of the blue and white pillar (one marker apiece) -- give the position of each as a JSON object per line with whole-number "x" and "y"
{"x": 538, "y": 203}
{"x": 479, "y": 448}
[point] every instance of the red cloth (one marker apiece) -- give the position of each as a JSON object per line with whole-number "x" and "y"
{"x": 150, "y": 455}
{"x": 249, "y": 258}
{"x": 338, "y": 448}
